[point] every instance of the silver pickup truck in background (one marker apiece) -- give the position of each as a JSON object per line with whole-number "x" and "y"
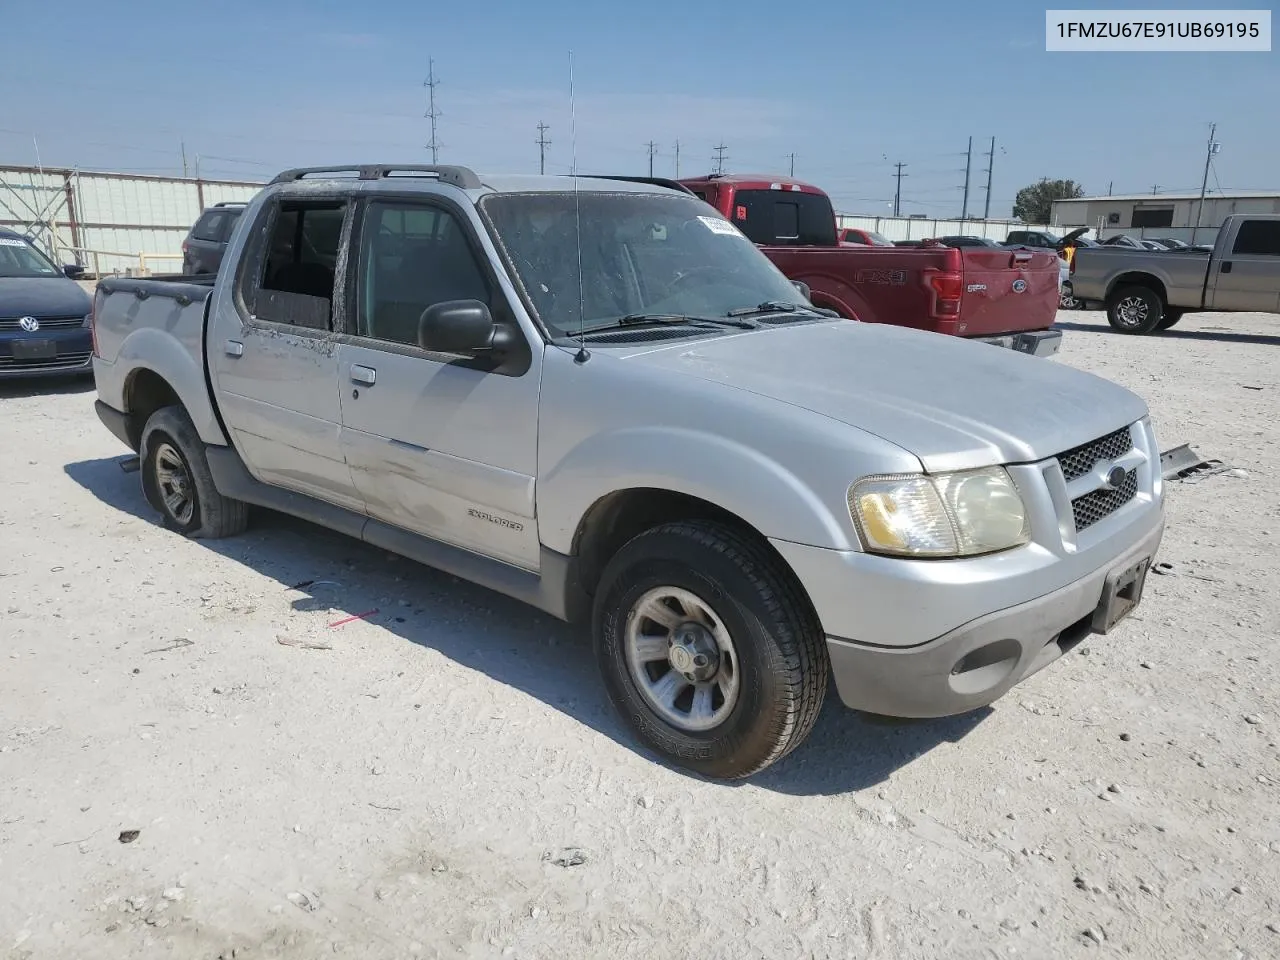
{"x": 598, "y": 396}
{"x": 1145, "y": 291}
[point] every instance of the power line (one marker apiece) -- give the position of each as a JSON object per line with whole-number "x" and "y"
{"x": 432, "y": 113}
{"x": 720, "y": 157}
{"x": 897, "y": 193}
{"x": 653, "y": 148}
{"x": 543, "y": 143}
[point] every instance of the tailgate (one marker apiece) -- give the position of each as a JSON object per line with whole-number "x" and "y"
{"x": 1007, "y": 291}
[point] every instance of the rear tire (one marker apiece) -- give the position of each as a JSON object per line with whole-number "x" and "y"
{"x": 747, "y": 683}
{"x": 177, "y": 481}
{"x": 1134, "y": 309}
{"x": 1169, "y": 319}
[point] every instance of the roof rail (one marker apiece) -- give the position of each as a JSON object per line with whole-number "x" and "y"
{"x": 231, "y": 203}
{"x": 463, "y": 177}
{"x": 656, "y": 181}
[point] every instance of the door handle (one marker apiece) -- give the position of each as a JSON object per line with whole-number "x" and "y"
{"x": 363, "y": 375}
{"x": 1226, "y": 266}
{"x": 234, "y": 348}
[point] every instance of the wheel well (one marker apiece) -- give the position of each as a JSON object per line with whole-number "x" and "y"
{"x": 1140, "y": 280}
{"x": 615, "y": 519}
{"x": 144, "y": 394}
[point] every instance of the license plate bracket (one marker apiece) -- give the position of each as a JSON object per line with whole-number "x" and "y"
{"x": 34, "y": 349}
{"x": 1121, "y": 593}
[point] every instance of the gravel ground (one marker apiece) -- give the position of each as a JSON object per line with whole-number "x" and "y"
{"x": 425, "y": 780}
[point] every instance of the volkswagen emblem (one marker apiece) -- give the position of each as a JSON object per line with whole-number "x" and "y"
{"x": 1019, "y": 285}
{"x": 29, "y": 324}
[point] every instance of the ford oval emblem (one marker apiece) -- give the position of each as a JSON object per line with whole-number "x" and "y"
{"x": 1019, "y": 285}
{"x": 29, "y": 324}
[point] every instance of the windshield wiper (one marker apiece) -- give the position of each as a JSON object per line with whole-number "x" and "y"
{"x": 771, "y": 306}
{"x": 645, "y": 319}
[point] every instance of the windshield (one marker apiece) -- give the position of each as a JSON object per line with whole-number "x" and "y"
{"x": 641, "y": 253}
{"x": 878, "y": 240}
{"x": 20, "y": 259}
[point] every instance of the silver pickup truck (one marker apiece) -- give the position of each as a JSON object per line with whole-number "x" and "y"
{"x": 1145, "y": 291}
{"x": 599, "y": 397}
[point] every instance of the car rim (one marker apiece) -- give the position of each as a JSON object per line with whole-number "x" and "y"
{"x": 174, "y": 480}
{"x": 1132, "y": 311}
{"x": 682, "y": 659}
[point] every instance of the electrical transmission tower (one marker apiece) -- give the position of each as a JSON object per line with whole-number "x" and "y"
{"x": 543, "y": 143}
{"x": 432, "y": 113}
{"x": 968, "y": 164}
{"x": 991, "y": 162}
{"x": 720, "y": 157}
{"x": 653, "y": 149}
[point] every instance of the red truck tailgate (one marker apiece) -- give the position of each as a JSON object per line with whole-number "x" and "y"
{"x": 1007, "y": 291}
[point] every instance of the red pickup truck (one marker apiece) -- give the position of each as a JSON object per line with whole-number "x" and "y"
{"x": 1001, "y": 296}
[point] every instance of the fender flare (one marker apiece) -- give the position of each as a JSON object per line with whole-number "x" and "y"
{"x": 160, "y": 353}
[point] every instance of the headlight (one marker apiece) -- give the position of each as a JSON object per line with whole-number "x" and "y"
{"x": 945, "y": 515}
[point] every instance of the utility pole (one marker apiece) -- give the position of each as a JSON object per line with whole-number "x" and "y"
{"x": 543, "y": 143}
{"x": 720, "y": 157}
{"x": 432, "y": 113}
{"x": 677, "y": 159}
{"x": 968, "y": 164}
{"x": 897, "y": 194}
{"x": 653, "y": 148}
{"x": 1213, "y": 147}
{"x": 991, "y": 162}
{"x": 1155, "y": 188}
{"x": 184, "y": 158}
{"x": 792, "y": 158}
{"x": 1110, "y": 184}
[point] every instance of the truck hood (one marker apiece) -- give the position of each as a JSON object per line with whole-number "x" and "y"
{"x": 954, "y": 404}
{"x": 42, "y": 297}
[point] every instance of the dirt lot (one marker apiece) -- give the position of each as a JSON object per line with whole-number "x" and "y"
{"x": 416, "y": 782}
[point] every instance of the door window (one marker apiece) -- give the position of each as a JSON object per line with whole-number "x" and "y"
{"x": 209, "y": 227}
{"x": 412, "y": 257}
{"x": 300, "y": 264}
{"x": 1258, "y": 238}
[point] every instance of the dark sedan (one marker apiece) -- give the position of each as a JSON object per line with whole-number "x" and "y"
{"x": 44, "y": 315}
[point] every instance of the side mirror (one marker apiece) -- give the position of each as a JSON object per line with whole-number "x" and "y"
{"x": 73, "y": 271}
{"x": 464, "y": 328}
{"x": 802, "y": 287}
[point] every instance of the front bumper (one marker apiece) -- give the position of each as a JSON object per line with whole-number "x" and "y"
{"x": 48, "y": 352}
{"x": 980, "y": 661}
{"x": 1038, "y": 343}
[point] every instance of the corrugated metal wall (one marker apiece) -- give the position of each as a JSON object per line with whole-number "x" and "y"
{"x": 109, "y": 223}
{"x": 914, "y": 228}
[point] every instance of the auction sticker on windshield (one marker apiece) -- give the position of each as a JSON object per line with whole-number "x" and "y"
{"x": 9, "y": 242}
{"x": 716, "y": 225}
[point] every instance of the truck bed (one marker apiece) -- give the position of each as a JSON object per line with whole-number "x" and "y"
{"x": 896, "y": 285}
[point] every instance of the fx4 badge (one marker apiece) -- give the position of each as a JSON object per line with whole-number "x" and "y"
{"x": 500, "y": 521}
{"x": 892, "y": 277}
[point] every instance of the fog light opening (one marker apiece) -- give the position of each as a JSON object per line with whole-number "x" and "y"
{"x": 985, "y": 668}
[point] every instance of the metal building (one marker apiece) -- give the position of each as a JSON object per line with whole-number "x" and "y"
{"x": 1161, "y": 214}
{"x": 109, "y": 223}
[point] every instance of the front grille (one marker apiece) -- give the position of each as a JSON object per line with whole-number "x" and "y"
{"x": 68, "y": 360}
{"x": 1078, "y": 461}
{"x": 11, "y": 323}
{"x": 1092, "y": 507}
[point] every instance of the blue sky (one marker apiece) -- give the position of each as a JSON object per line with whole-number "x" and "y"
{"x": 850, "y": 87}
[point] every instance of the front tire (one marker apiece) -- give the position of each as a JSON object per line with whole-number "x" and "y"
{"x": 177, "y": 481}
{"x": 1134, "y": 309}
{"x": 709, "y": 649}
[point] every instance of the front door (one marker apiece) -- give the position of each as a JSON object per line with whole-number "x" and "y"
{"x": 442, "y": 447}
{"x": 1248, "y": 277}
{"x": 273, "y": 351}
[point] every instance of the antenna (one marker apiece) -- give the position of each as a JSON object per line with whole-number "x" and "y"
{"x": 432, "y": 113}
{"x": 582, "y": 356}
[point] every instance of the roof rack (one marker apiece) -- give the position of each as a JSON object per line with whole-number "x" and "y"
{"x": 463, "y": 177}
{"x": 656, "y": 181}
{"x": 231, "y": 203}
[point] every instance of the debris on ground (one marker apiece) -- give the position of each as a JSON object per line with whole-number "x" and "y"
{"x": 568, "y": 857}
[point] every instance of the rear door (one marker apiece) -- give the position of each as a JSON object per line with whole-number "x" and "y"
{"x": 1007, "y": 291}
{"x": 1246, "y": 276}
{"x": 437, "y": 445}
{"x": 273, "y": 351}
